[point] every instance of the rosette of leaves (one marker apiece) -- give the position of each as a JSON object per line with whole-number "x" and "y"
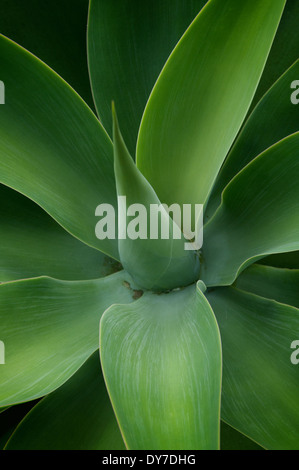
{"x": 190, "y": 343}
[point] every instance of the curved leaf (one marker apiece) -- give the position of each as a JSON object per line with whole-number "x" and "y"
{"x": 49, "y": 329}
{"x": 124, "y": 67}
{"x": 154, "y": 263}
{"x": 202, "y": 96}
{"x": 76, "y": 416}
{"x": 161, "y": 358}
{"x": 260, "y": 383}
{"x": 32, "y": 244}
{"x": 52, "y": 148}
{"x": 274, "y": 118}
{"x": 258, "y": 214}
{"x": 278, "y": 284}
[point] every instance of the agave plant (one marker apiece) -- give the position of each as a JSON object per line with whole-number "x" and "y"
{"x": 191, "y": 342}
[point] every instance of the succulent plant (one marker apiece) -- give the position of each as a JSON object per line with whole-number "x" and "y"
{"x": 138, "y": 343}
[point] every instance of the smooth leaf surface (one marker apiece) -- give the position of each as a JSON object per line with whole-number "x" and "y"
{"x": 260, "y": 383}
{"x": 258, "y": 215}
{"x": 33, "y": 244}
{"x": 274, "y": 118}
{"x": 202, "y": 96}
{"x": 154, "y": 263}
{"x": 76, "y": 416}
{"x": 129, "y": 42}
{"x": 52, "y": 147}
{"x": 161, "y": 359}
{"x": 49, "y": 329}
{"x": 278, "y": 284}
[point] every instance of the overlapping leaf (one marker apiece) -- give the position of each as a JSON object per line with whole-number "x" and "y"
{"x": 202, "y": 96}
{"x": 258, "y": 214}
{"x": 260, "y": 383}
{"x": 153, "y": 261}
{"x": 49, "y": 329}
{"x": 52, "y": 147}
{"x": 77, "y": 416}
{"x": 125, "y": 69}
{"x": 278, "y": 284}
{"x": 32, "y": 244}
{"x": 274, "y": 118}
{"x": 161, "y": 358}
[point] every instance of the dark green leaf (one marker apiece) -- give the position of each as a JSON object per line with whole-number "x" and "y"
{"x": 77, "y": 416}
{"x": 49, "y": 329}
{"x": 278, "y": 284}
{"x": 260, "y": 383}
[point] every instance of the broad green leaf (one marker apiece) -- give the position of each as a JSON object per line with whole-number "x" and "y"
{"x": 49, "y": 329}
{"x": 258, "y": 215}
{"x": 52, "y": 147}
{"x": 260, "y": 383}
{"x": 161, "y": 358}
{"x": 76, "y": 416}
{"x": 278, "y": 284}
{"x": 129, "y": 42}
{"x": 231, "y": 439}
{"x": 202, "y": 97}
{"x": 284, "y": 50}
{"x": 274, "y": 118}
{"x": 53, "y": 31}
{"x": 282, "y": 260}
{"x": 154, "y": 263}
{"x": 32, "y": 244}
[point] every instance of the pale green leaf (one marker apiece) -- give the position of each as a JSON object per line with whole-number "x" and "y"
{"x": 161, "y": 358}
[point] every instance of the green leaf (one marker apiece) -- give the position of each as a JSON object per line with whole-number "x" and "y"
{"x": 49, "y": 329}
{"x": 32, "y": 244}
{"x": 274, "y": 118}
{"x": 258, "y": 215}
{"x": 154, "y": 263}
{"x": 278, "y": 284}
{"x": 282, "y": 260}
{"x": 161, "y": 358}
{"x": 52, "y": 147}
{"x": 260, "y": 383}
{"x": 124, "y": 67}
{"x": 77, "y": 416}
{"x": 202, "y": 96}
